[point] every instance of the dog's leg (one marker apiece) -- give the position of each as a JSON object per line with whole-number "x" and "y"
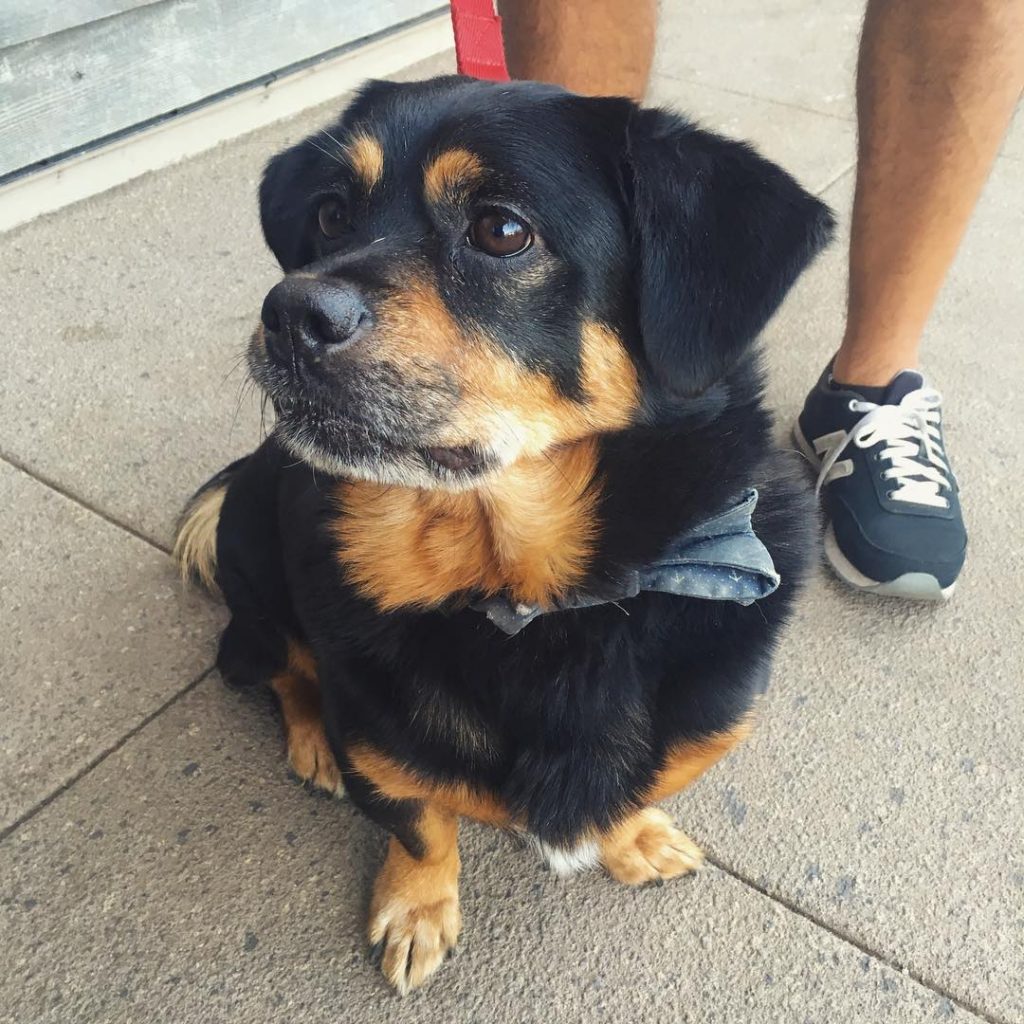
{"x": 645, "y": 846}
{"x": 414, "y": 913}
{"x": 298, "y": 693}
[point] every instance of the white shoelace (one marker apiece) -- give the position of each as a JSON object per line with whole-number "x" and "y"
{"x": 913, "y": 446}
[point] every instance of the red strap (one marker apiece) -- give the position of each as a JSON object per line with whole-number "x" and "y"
{"x": 478, "y": 47}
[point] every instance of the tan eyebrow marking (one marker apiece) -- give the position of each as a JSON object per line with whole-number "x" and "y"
{"x": 366, "y": 158}
{"x": 451, "y": 174}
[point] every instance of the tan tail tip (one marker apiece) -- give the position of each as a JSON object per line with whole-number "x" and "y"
{"x": 195, "y": 547}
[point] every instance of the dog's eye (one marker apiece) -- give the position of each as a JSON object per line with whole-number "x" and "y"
{"x": 500, "y": 233}
{"x": 332, "y": 218}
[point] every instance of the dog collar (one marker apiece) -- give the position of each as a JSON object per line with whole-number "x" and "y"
{"x": 719, "y": 559}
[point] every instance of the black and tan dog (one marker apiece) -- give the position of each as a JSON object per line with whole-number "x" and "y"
{"x": 519, "y": 546}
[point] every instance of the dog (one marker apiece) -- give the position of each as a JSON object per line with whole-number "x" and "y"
{"x": 519, "y": 546}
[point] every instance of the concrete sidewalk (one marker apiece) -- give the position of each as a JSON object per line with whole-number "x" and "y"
{"x": 157, "y": 863}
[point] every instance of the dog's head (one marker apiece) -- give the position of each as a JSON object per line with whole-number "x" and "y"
{"x": 477, "y": 273}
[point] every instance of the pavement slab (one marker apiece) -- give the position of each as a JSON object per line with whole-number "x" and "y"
{"x": 97, "y": 634}
{"x": 1014, "y": 144}
{"x": 801, "y": 54}
{"x": 135, "y": 307}
{"x": 188, "y": 879}
{"x": 815, "y": 148}
{"x": 134, "y": 310}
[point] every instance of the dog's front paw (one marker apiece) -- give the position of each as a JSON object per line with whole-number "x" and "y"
{"x": 310, "y": 756}
{"x": 414, "y": 919}
{"x": 413, "y": 938}
{"x": 647, "y": 847}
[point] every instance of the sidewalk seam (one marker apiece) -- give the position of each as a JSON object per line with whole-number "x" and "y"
{"x": 689, "y": 80}
{"x": 838, "y": 177}
{"x": 9, "y": 830}
{"x": 64, "y": 492}
{"x": 851, "y": 940}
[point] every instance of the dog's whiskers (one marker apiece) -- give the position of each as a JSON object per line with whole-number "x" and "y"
{"x": 326, "y": 152}
{"x": 334, "y": 139}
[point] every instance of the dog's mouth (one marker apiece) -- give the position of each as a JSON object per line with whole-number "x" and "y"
{"x": 336, "y": 443}
{"x": 372, "y": 423}
{"x": 463, "y": 459}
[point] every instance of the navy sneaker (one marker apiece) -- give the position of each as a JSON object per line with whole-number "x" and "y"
{"x": 890, "y": 497}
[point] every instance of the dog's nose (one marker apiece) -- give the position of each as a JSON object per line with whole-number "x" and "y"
{"x": 314, "y": 316}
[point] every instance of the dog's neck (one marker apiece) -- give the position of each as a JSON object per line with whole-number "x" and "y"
{"x": 529, "y": 532}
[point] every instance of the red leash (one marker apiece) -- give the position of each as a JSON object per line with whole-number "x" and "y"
{"x": 478, "y": 47}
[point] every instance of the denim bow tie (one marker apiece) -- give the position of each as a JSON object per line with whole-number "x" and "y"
{"x": 720, "y": 559}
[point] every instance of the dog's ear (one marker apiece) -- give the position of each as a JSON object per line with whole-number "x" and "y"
{"x": 720, "y": 236}
{"x": 284, "y": 197}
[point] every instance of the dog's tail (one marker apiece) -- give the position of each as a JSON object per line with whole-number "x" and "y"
{"x": 195, "y": 543}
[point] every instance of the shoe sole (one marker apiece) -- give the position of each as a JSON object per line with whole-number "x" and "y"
{"x": 911, "y": 586}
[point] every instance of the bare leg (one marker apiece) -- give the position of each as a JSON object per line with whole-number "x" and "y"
{"x": 937, "y": 82}
{"x": 593, "y": 47}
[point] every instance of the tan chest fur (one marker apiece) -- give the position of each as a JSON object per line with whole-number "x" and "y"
{"x": 530, "y": 532}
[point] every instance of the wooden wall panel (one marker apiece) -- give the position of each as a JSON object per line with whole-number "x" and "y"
{"x": 66, "y": 90}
